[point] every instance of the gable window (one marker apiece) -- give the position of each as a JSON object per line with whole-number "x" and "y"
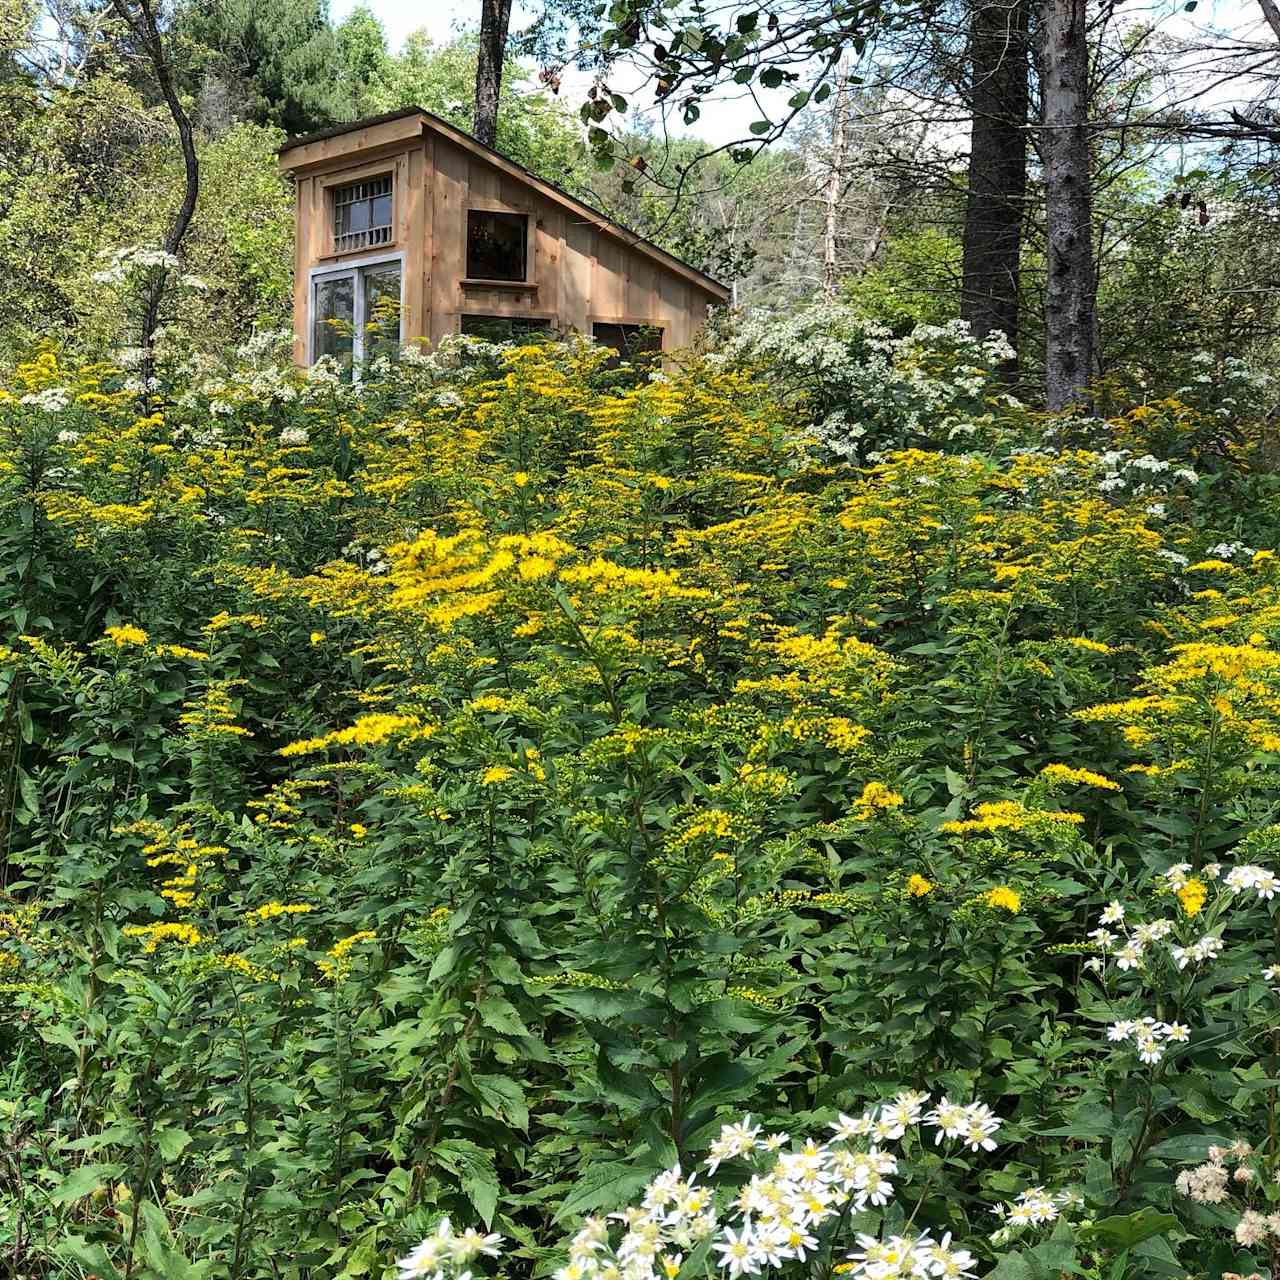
{"x": 355, "y": 313}
{"x": 497, "y": 245}
{"x": 637, "y": 343}
{"x": 362, "y": 214}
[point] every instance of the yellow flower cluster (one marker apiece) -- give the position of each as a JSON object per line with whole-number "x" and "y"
{"x": 1085, "y": 777}
{"x": 185, "y": 934}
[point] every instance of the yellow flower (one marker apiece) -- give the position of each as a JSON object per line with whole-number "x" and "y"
{"x": 520, "y": 479}
{"x": 359, "y": 830}
{"x": 1192, "y": 896}
{"x": 875, "y": 797}
{"x": 495, "y": 774}
{"x": 126, "y": 635}
{"x": 317, "y": 637}
{"x": 1004, "y": 897}
{"x": 918, "y": 886}
{"x": 155, "y": 934}
{"x": 1086, "y": 777}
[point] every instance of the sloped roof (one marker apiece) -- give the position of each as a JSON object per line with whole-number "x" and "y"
{"x": 548, "y": 189}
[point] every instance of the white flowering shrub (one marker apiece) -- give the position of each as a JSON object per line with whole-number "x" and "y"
{"x": 763, "y": 1201}
{"x": 868, "y": 392}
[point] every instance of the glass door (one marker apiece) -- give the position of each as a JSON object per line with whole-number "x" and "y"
{"x": 355, "y": 314}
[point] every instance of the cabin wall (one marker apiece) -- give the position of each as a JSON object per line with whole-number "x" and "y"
{"x": 580, "y": 275}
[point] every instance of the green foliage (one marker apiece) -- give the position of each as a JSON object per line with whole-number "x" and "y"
{"x": 465, "y": 792}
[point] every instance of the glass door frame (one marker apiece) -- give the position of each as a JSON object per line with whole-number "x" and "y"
{"x": 353, "y": 269}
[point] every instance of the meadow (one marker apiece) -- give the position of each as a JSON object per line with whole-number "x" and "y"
{"x": 511, "y": 788}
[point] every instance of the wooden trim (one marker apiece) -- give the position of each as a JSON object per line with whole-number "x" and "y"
{"x": 507, "y": 286}
{"x": 648, "y": 322}
{"x": 336, "y": 148}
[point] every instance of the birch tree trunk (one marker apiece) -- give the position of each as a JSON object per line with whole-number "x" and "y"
{"x": 997, "y": 189}
{"x": 835, "y": 183}
{"x": 1071, "y": 286}
{"x": 495, "y": 23}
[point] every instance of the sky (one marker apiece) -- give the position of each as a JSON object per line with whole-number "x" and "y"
{"x": 442, "y": 19}
{"x": 726, "y": 120}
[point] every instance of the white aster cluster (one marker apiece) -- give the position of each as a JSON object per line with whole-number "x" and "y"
{"x": 1129, "y": 947}
{"x": 444, "y": 1255}
{"x": 1141, "y": 475}
{"x": 1149, "y": 1037}
{"x": 1258, "y": 879}
{"x": 1033, "y": 1208}
{"x": 50, "y": 399}
{"x": 794, "y": 1190}
{"x": 292, "y": 437}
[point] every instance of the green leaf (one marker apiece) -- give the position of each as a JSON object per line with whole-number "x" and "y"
{"x": 502, "y": 1016}
{"x": 1189, "y": 1146}
{"x": 608, "y": 1185}
{"x": 760, "y": 126}
{"x": 1123, "y": 1231}
{"x": 83, "y": 1181}
{"x": 172, "y": 1142}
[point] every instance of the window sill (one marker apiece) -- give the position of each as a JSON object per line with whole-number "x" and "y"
{"x": 343, "y": 254}
{"x": 518, "y": 286}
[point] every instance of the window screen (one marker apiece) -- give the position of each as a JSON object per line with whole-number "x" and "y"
{"x": 362, "y": 214}
{"x": 638, "y": 343}
{"x": 504, "y": 328}
{"x": 497, "y": 245}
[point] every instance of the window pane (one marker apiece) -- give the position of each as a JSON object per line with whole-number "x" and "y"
{"x": 496, "y": 245}
{"x": 641, "y": 344}
{"x": 382, "y": 310}
{"x": 381, "y": 216}
{"x": 505, "y": 328}
{"x": 358, "y": 216}
{"x": 333, "y": 319}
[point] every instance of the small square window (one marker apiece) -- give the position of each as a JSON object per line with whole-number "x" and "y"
{"x": 362, "y": 215}
{"x": 497, "y": 245}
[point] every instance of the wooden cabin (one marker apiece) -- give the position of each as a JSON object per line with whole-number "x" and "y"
{"x": 408, "y": 228}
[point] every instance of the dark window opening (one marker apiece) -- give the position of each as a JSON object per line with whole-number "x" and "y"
{"x": 497, "y": 245}
{"x": 505, "y": 328}
{"x": 362, "y": 215}
{"x": 640, "y": 344}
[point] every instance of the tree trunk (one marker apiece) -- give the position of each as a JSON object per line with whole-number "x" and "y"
{"x": 146, "y": 32}
{"x": 835, "y": 182}
{"x": 1070, "y": 290}
{"x": 996, "y": 199}
{"x": 1271, "y": 11}
{"x": 495, "y": 22}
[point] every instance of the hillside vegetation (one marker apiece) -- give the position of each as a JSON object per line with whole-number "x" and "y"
{"x": 467, "y": 792}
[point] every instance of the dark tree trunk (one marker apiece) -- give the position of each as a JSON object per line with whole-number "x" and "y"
{"x": 495, "y": 22}
{"x": 1070, "y": 292}
{"x": 999, "y": 99}
{"x": 142, "y": 25}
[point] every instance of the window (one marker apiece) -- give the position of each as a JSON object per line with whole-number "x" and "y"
{"x": 362, "y": 214}
{"x": 505, "y": 328}
{"x": 637, "y": 343}
{"x": 355, "y": 313}
{"x": 497, "y": 245}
